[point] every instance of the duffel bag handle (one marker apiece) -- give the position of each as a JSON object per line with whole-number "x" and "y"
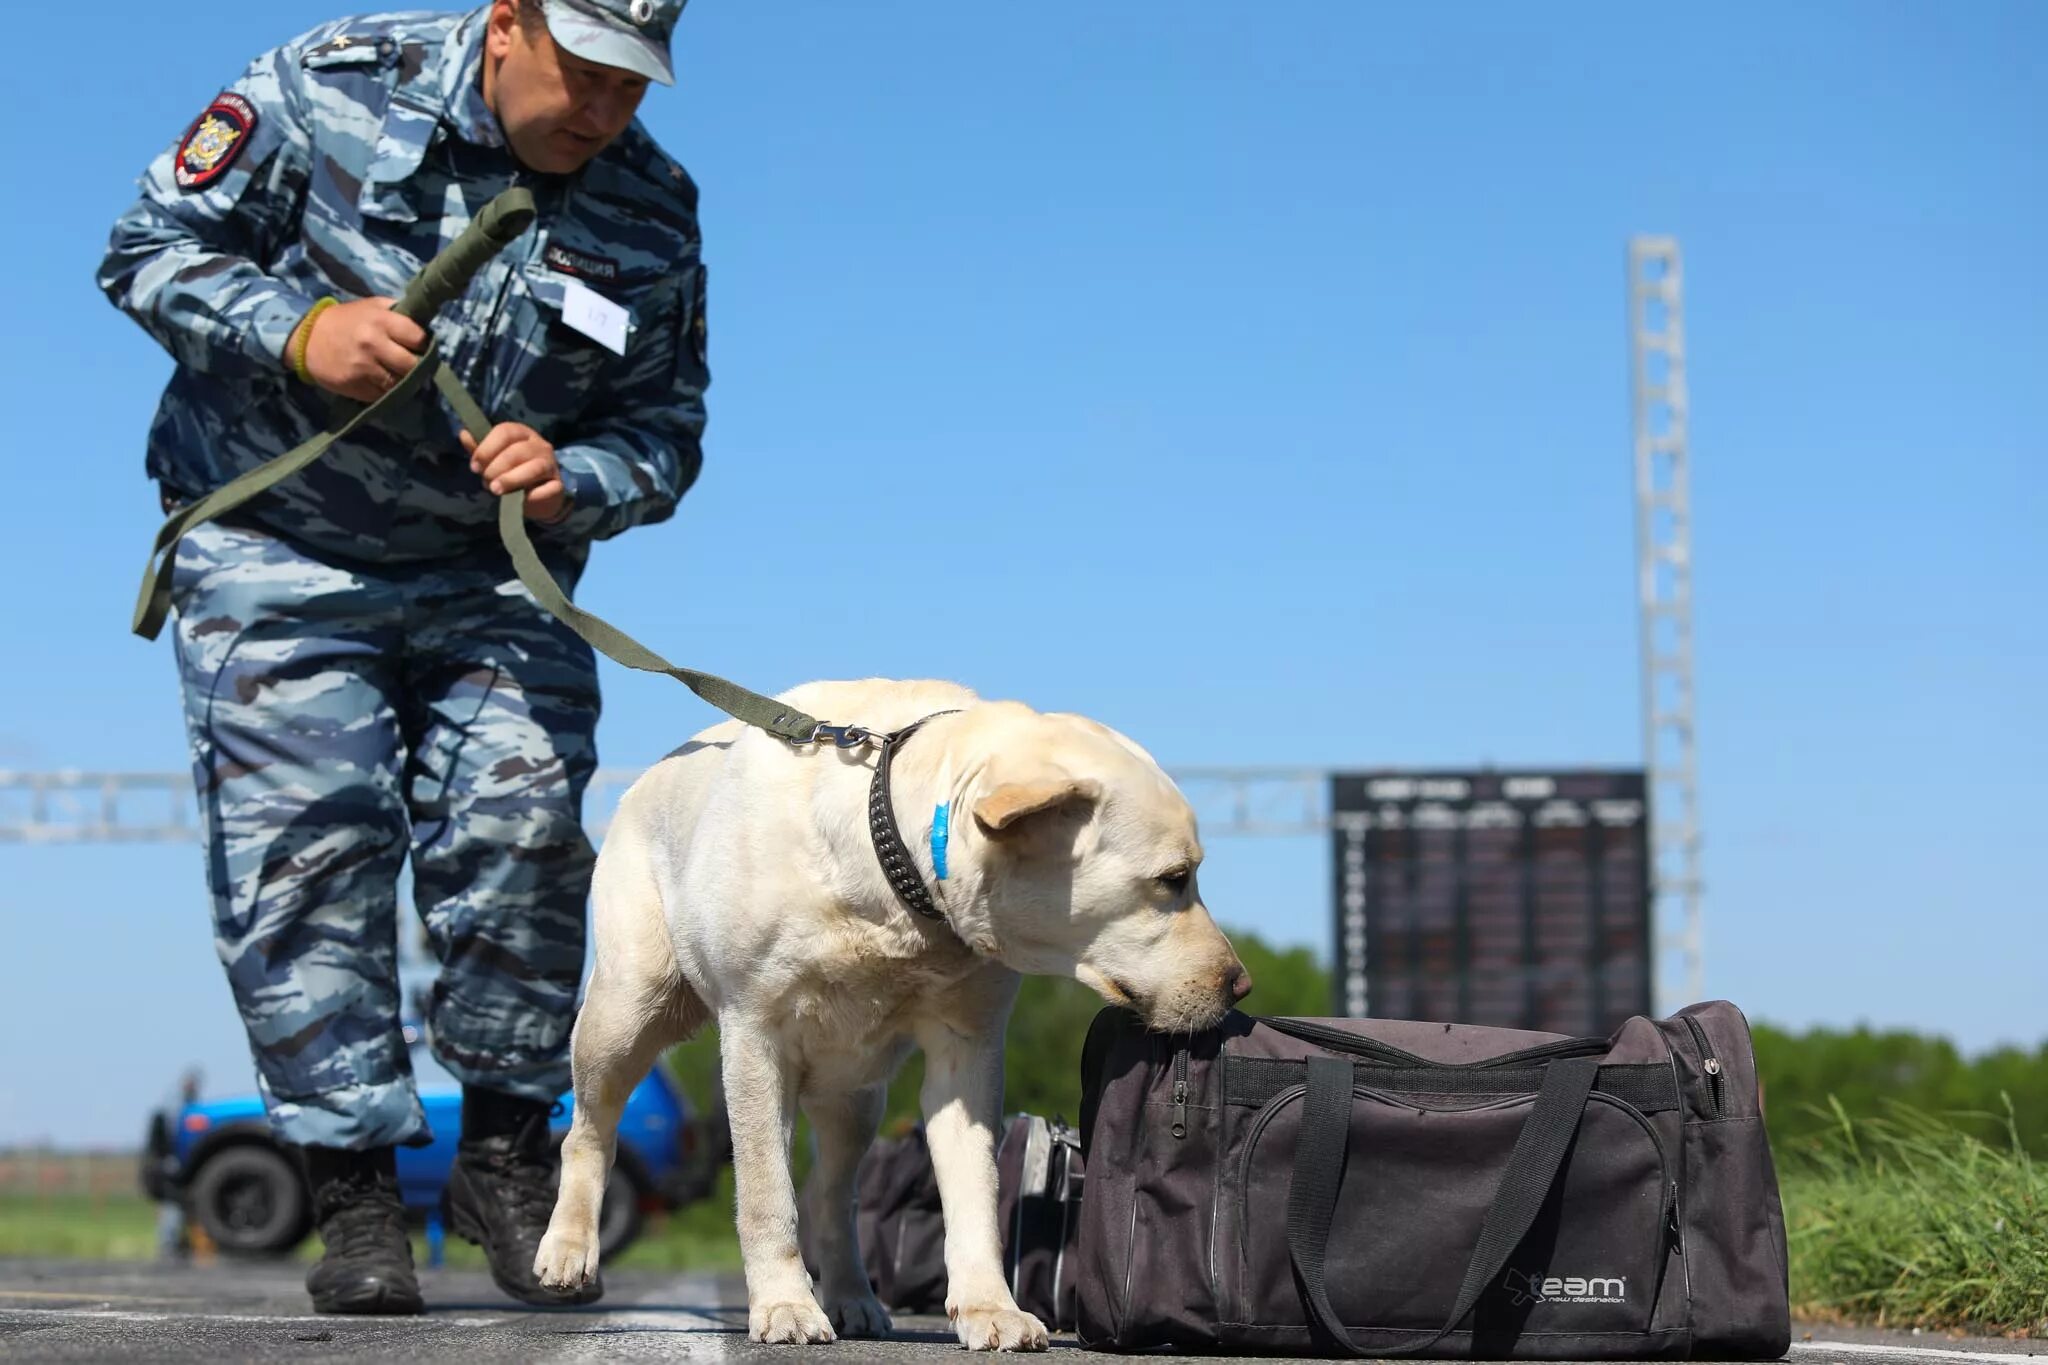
{"x": 1319, "y": 1172}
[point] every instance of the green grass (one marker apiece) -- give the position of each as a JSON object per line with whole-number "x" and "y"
{"x": 123, "y": 1228}
{"x": 76, "y": 1226}
{"x": 1911, "y": 1220}
{"x": 700, "y": 1236}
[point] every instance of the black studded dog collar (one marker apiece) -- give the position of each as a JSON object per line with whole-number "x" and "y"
{"x": 897, "y": 864}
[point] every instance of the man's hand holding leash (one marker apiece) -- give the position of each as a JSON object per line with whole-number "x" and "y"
{"x": 514, "y": 455}
{"x": 358, "y": 350}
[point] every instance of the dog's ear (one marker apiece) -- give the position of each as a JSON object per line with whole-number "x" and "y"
{"x": 1001, "y": 810}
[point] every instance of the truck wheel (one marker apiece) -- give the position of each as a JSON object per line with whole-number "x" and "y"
{"x": 250, "y": 1201}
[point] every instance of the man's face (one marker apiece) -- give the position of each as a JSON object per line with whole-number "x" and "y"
{"x": 557, "y": 110}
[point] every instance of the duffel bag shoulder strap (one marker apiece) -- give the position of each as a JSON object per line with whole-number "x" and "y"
{"x": 1319, "y": 1172}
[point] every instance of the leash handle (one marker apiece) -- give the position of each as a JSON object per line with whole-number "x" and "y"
{"x": 443, "y": 279}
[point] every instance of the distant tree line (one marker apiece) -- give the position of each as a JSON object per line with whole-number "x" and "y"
{"x": 1866, "y": 1071}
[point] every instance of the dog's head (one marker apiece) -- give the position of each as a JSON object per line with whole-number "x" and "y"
{"x": 1084, "y": 861}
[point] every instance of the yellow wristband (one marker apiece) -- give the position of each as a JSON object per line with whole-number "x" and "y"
{"x": 302, "y": 337}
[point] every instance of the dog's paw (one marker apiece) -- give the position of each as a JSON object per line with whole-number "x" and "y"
{"x": 998, "y": 1329}
{"x": 566, "y": 1260}
{"x": 859, "y": 1317}
{"x": 789, "y": 1324}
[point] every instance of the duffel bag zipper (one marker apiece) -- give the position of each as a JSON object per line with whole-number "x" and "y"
{"x": 1180, "y": 1093}
{"x": 1709, "y": 1063}
{"x": 1337, "y": 1040}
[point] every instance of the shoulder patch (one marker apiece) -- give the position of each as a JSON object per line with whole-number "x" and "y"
{"x": 215, "y": 140}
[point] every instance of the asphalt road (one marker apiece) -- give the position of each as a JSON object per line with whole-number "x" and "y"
{"x": 53, "y": 1310}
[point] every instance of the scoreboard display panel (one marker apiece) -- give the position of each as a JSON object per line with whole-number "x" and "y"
{"x": 1515, "y": 899}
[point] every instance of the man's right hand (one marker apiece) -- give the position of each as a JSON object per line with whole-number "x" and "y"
{"x": 359, "y": 350}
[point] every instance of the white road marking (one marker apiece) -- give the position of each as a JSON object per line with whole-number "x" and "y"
{"x": 108, "y": 1299}
{"x": 133, "y": 1315}
{"x": 1870, "y": 1348}
{"x": 661, "y": 1336}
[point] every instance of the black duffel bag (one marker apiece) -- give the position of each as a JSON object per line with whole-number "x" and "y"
{"x": 1038, "y": 1208}
{"x": 1378, "y": 1187}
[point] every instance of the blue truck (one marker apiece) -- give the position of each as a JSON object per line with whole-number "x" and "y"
{"x": 220, "y": 1163}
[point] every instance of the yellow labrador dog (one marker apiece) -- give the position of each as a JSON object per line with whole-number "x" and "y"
{"x": 741, "y": 881}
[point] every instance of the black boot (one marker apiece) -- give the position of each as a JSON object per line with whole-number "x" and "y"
{"x": 501, "y": 1191}
{"x": 367, "y": 1266}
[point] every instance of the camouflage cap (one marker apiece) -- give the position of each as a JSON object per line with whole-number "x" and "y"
{"x": 632, "y": 34}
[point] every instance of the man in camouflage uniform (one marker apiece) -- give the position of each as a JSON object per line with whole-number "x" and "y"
{"x": 365, "y": 680}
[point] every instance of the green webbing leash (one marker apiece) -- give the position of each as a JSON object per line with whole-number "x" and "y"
{"x": 442, "y": 280}
{"x": 782, "y": 721}
{"x": 153, "y": 603}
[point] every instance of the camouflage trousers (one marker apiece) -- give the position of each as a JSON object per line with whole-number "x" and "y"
{"x": 344, "y": 721}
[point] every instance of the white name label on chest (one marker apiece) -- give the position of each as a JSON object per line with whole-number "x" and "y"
{"x": 594, "y": 315}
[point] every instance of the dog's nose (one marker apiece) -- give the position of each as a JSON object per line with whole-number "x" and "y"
{"x": 1241, "y": 986}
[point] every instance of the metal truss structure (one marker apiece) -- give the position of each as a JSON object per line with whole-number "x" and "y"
{"x": 130, "y": 808}
{"x": 1659, "y": 406}
{"x": 96, "y": 808}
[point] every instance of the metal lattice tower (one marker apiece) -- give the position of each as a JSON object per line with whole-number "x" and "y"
{"x": 101, "y": 808}
{"x": 1656, "y": 323}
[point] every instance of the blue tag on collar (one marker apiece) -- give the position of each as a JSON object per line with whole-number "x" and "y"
{"x": 939, "y": 835}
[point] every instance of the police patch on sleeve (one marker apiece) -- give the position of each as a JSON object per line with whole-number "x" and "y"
{"x": 215, "y": 141}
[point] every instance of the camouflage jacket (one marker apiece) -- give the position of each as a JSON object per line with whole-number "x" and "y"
{"x": 339, "y": 164}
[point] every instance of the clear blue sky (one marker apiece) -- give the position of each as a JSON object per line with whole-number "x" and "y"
{"x": 1219, "y": 370}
